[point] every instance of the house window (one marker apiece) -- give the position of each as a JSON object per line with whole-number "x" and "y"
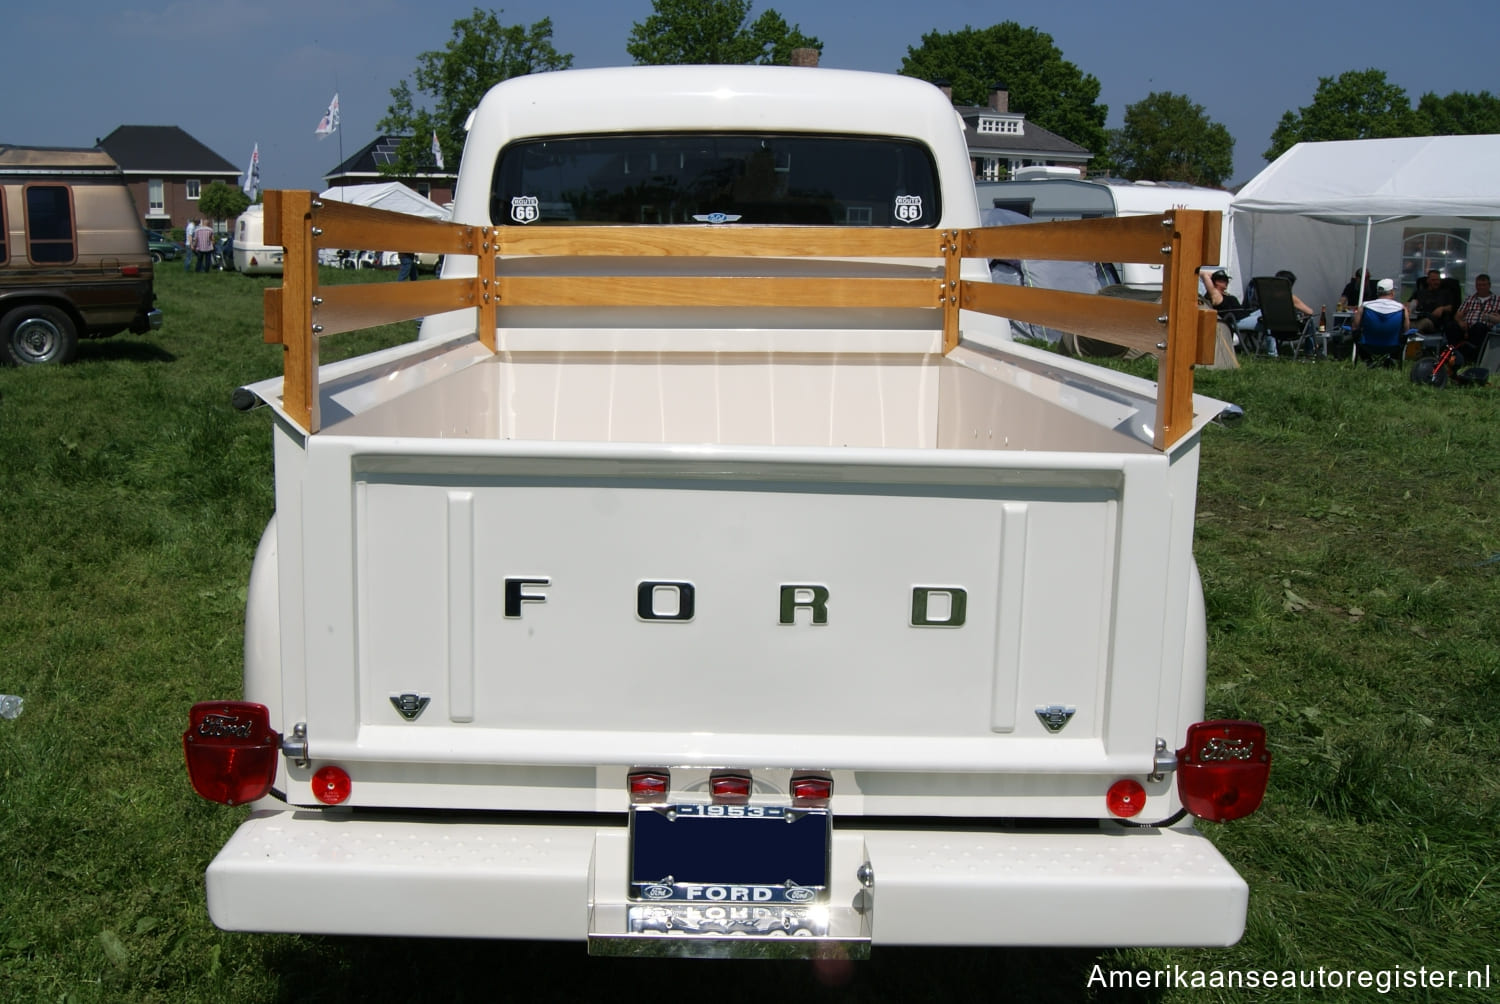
{"x": 424, "y": 189}
{"x": 1004, "y": 127}
{"x": 49, "y": 224}
{"x": 193, "y": 185}
{"x": 1445, "y": 249}
{"x": 156, "y": 198}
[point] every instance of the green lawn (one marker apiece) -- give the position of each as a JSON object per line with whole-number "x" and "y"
{"x": 1350, "y": 551}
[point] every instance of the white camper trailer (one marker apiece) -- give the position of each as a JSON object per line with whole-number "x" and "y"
{"x": 1045, "y": 197}
{"x": 252, "y": 255}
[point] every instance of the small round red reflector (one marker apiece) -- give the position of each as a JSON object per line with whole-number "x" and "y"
{"x": 331, "y": 785}
{"x": 1126, "y": 798}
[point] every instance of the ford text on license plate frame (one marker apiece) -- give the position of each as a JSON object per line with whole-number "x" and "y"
{"x": 729, "y": 854}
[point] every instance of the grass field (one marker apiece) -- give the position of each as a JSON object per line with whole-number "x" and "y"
{"x": 1350, "y": 551}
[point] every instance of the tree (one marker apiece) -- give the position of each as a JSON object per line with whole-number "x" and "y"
{"x": 1167, "y": 137}
{"x": 1459, "y": 114}
{"x": 1052, "y": 92}
{"x": 1359, "y": 104}
{"x": 481, "y": 53}
{"x": 714, "y": 31}
{"x": 219, "y": 201}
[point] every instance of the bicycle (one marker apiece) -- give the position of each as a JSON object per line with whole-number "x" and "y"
{"x": 1443, "y": 367}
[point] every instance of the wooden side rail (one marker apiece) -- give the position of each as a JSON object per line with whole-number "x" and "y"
{"x": 302, "y": 311}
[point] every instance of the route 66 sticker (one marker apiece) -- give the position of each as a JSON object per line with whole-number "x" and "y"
{"x": 908, "y": 208}
{"x": 525, "y": 209}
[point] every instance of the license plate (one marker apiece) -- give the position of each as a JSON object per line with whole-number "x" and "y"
{"x": 729, "y": 855}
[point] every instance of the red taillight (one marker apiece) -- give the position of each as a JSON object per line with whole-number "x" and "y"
{"x": 253, "y": 261}
{"x": 331, "y": 785}
{"x": 1222, "y": 769}
{"x": 729, "y": 789}
{"x": 648, "y": 785}
{"x": 130, "y": 270}
{"x": 812, "y": 790}
{"x": 231, "y": 751}
{"x": 1125, "y": 798}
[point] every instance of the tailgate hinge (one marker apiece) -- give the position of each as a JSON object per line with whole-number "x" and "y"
{"x": 1164, "y": 763}
{"x": 295, "y": 745}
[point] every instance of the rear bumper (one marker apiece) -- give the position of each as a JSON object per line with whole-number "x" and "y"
{"x": 305, "y": 872}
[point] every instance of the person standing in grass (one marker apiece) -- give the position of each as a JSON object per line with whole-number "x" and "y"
{"x": 187, "y": 245}
{"x": 203, "y": 243}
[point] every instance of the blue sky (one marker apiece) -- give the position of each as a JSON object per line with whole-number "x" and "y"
{"x": 235, "y": 73}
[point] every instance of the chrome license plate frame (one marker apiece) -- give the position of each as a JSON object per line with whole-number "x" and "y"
{"x": 729, "y": 855}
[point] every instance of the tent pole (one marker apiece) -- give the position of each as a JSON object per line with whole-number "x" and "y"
{"x": 1364, "y": 277}
{"x": 1364, "y": 266}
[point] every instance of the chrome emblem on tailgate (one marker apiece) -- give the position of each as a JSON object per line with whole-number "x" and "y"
{"x": 1055, "y": 716}
{"x": 410, "y": 706}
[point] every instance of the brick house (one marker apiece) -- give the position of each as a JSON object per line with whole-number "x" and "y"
{"x": 166, "y": 170}
{"x": 363, "y": 168}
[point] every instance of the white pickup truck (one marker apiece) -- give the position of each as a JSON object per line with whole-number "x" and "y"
{"x": 713, "y": 576}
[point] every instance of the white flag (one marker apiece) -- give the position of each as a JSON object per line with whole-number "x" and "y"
{"x": 330, "y": 122}
{"x": 437, "y": 151}
{"x": 251, "y": 187}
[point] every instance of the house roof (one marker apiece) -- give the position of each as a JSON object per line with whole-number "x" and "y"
{"x": 55, "y": 160}
{"x": 369, "y": 159}
{"x": 1032, "y": 139}
{"x": 163, "y": 150}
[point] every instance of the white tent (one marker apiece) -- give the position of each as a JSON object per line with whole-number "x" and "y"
{"x": 1403, "y": 205}
{"x": 393, "y": 197}
{"x": 390, "y": 195}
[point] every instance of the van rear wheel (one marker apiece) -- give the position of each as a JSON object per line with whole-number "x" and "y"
{"x": 38, "y": 334}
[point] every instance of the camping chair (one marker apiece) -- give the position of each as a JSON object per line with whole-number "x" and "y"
{"x": 1381, "y": 338}
{"x": 1279, "y": 321}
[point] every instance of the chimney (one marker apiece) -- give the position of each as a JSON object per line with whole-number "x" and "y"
{"x": 999, "y": 98}
{"x": 805, "y": 57}
{"x": 946, "y": 87}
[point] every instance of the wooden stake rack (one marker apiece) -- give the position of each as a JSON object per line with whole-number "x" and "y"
{"x": 301, "y": 312}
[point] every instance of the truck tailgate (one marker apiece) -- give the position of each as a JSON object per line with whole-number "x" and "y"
{"x": 587, "y": 604}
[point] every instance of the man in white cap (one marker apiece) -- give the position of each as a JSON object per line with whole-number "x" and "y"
{"x": 1381, "y": 323}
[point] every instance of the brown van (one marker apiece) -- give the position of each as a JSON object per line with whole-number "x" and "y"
{"x": 73, "y": 257}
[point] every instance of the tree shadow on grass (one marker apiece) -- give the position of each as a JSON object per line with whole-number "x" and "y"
{"x": 328, "y": 970}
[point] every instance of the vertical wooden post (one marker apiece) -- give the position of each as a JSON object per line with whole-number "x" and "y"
{"x": 1183, "y": 246}
{"x": 953, "y": 257}
{"x": 487, "y": 290}
{"x": 289, "y": 223}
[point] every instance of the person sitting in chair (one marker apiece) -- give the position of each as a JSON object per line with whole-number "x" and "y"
{"x": 1252, "y": 295}
{"x": 1474, "y": 319}
{"x": 1354, "y": 288}
{"x": 1380, "y": 324}
{"x": 1216, "y": 285}
{"x": 1430, "y": 304}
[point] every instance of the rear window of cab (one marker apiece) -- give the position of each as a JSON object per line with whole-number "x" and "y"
{"x": 784, "y": 179}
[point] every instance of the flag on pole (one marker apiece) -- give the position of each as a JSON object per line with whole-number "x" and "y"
{"x": 251, "y": 187}
{"x": 330, "y": 121}
{"x": 437, "y": 151}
